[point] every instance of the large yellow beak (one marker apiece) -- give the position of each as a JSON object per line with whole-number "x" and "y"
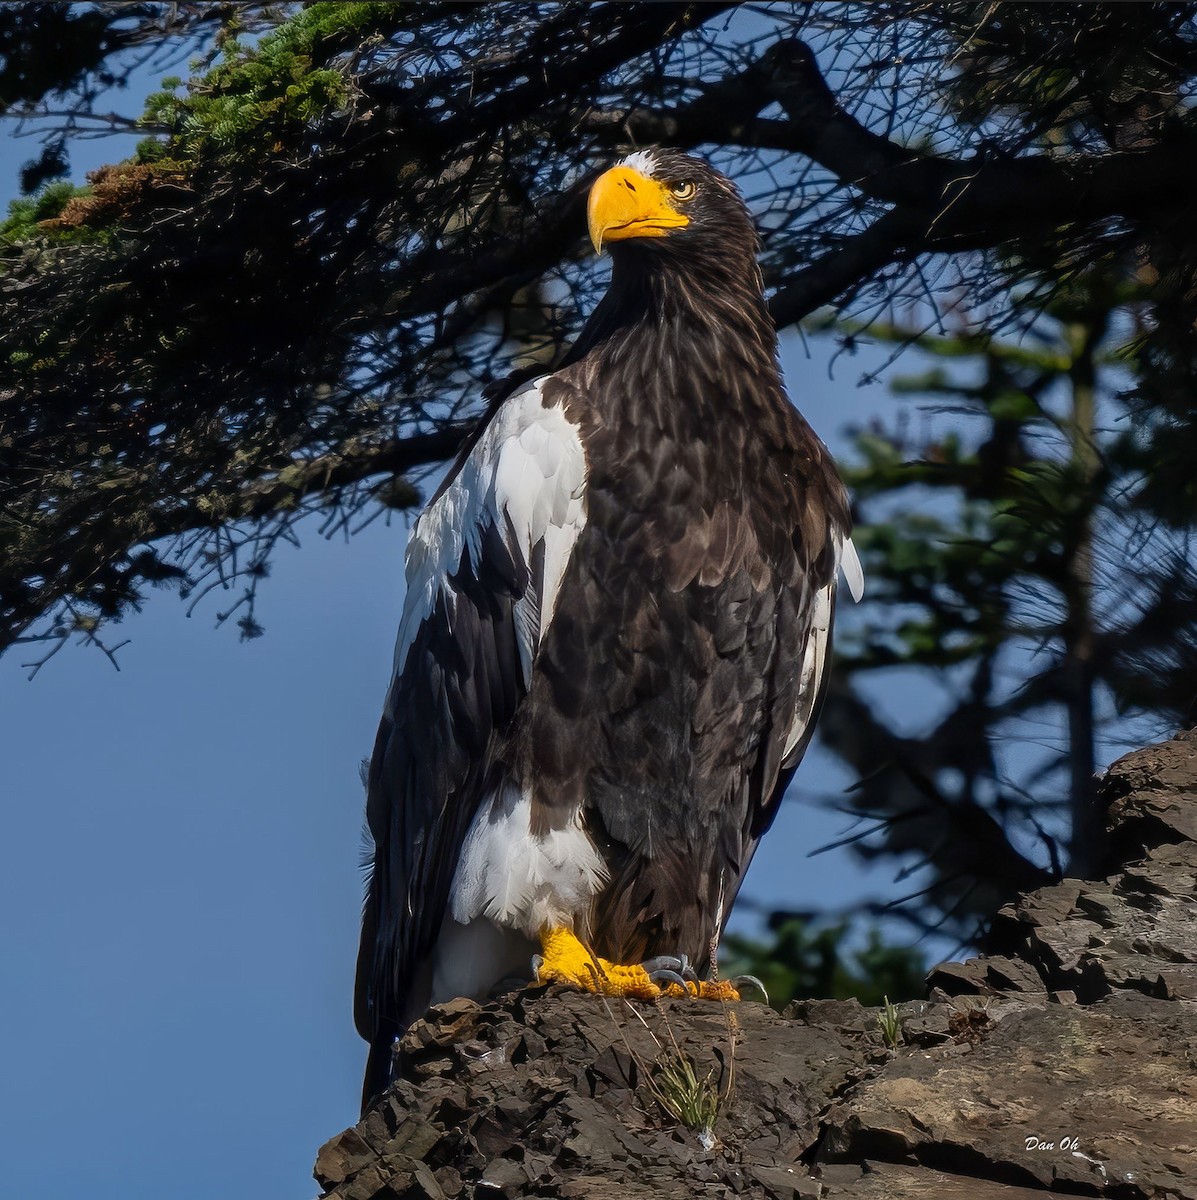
{"x": 626, "y": 204}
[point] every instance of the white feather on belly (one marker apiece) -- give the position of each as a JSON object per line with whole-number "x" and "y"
{"x": 521, "y": 880}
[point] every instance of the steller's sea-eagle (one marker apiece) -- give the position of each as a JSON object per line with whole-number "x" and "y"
{"x": 615, "y": 638}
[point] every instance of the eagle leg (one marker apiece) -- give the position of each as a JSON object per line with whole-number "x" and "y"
{"x": 566, "y": 960}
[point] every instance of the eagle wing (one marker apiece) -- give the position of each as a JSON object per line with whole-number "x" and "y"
{"x": 805, "y": 627}
{"x": 483, "y": 567}
{"x": 816, "y": 648}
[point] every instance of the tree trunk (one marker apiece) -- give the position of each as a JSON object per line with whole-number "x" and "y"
{"x": 1087, "y": 837}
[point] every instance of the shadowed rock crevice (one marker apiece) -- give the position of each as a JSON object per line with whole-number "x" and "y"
{"x": 1064, "y": 1063}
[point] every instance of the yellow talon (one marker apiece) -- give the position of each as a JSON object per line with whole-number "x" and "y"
{"x": 705, "y": 989}
{"x": 566, "y": 960}
{"x": 714, "y": 990}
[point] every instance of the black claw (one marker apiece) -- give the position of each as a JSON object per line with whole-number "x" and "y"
{"x": 666, "y": 962}
{"x": 680, "y": 963}
{"x": 664, "y": 977}
{"x": 741, "y": 981}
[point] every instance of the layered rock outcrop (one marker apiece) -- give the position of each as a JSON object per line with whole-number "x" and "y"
{"x": 1063, "y": 1063}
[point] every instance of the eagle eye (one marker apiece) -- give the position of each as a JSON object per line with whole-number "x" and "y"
{"x": 683, "y": 189}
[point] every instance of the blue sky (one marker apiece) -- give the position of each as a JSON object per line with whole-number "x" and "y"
{"x": 181, "y": 883}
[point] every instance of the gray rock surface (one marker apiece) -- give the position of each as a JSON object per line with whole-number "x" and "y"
{"x": 1064, "y": 1063}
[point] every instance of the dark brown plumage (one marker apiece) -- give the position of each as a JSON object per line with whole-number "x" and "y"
{"x": 659, "y": 700}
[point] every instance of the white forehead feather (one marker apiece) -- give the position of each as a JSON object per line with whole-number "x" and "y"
{"x": 643, "y": 161}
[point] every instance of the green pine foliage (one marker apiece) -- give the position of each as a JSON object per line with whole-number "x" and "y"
{"x": 260, "y": 94}
{"x": 265, "y": 99}
{"x": 25, "y": 216}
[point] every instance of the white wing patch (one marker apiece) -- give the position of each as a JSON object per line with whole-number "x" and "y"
{"x": 853, "y": 571}
{"x": 814, "y": 658}
{"x": 814, "y": 663}
{"x": 526, "y": 478}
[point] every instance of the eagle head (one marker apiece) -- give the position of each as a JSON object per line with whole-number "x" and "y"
{"x": 662, "y": 201}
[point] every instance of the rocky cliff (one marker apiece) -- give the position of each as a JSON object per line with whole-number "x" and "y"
{"x": 1063, "y": 1063}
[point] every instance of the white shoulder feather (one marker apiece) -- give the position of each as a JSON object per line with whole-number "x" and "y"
{"x": 816, "y": 651}
{"x": 524, "y": 479}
